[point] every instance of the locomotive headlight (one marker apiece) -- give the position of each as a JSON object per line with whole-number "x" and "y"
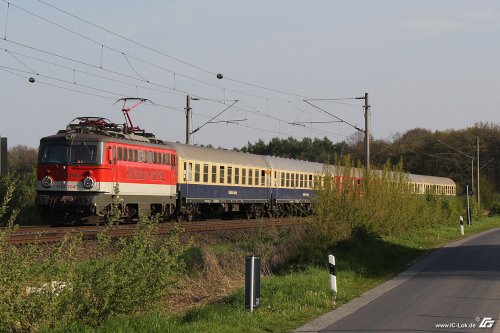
{"x": 88, "y": 182}
{"x": 47, "y": 181}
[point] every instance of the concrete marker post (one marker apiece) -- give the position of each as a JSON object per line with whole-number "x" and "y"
{"x": 462, "y": 225}
{"x": 333, "y": 274}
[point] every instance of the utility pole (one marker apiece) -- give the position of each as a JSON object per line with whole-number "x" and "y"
{"x": 367, "y": 135}
{"x": 3, "y": 157}
{"x": 477, "y": 157}
{"x": 188, "y": 120}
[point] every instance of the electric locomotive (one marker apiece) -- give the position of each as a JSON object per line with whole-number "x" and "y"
{"x": 82, "y": 168}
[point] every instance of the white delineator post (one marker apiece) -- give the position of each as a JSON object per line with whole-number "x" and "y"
{"x": 462, "y": 225}
{"x": 333, "y": 274}
{"x": 252, "y": 274}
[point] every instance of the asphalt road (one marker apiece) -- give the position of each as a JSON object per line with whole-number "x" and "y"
{"x": 457, "y": 287}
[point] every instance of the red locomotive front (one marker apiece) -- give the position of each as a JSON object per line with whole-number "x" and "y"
{"x": 80, "y": 167}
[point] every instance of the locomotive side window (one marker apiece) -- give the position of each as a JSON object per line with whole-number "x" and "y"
{"x": 120, "y": 154}
{"x": 125, "y": 154}
{"x": 250, "y": 176}
{"x": 149, "y": 157}
{"x": 141, "y": 155}
{"x": 130, "y": 155}
{"x": 136, "y": 155}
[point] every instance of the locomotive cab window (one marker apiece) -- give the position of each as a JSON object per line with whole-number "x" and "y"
{"x": 53, "y": 153}
{"x": 83, "y": 153}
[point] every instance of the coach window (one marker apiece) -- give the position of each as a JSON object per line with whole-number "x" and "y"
{"x": 250, "y": 176}
{"x": 292, "y": 180}
{"x": 197, "y": 172}
{"x": 205, "y": 173}
{"x": 214, "y": 174}
{"x": 282, "y": 179}
{"x": 275, "y": 179}
{"x": 229, "y": 175}
{"x": 301, "y": 181}
{"x": 236, "y": 176}
{"x": 256, "y": 175}
{"x": 189, "y": 172}
{"x": 311, "y": 184}
{"x": 221, "y": 174}
{"x": 263, "y": 177}
{"x": 243, "y": 176}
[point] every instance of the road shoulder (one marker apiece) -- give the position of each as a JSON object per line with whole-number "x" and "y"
{"x": 331, "y": 317}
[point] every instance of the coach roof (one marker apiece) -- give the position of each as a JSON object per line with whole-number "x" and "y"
{"x": 222, "y": 156}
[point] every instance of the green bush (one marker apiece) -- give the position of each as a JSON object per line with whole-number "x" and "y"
{"x": 43, "y": 289}
{"x": 384, "y": 205}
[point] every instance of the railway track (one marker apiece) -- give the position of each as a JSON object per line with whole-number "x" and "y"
{"x": 38, "y": 234}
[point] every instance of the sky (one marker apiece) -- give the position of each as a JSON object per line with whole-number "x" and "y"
{"x": 430, "y": 64}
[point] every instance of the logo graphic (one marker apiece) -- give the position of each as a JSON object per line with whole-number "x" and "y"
{"x": 487, "y": 322}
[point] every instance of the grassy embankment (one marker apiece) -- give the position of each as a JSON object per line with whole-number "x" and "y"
{"x": 293, "y": 297}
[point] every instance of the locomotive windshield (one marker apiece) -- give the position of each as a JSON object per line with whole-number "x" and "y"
{"x": 78, "y": 153}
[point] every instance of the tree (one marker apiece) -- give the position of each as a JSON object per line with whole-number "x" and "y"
{"x": 22, "y": 159}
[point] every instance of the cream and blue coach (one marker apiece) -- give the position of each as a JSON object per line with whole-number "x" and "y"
{"x": 231, "y": 182}
{"x": 221, "y": 180}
